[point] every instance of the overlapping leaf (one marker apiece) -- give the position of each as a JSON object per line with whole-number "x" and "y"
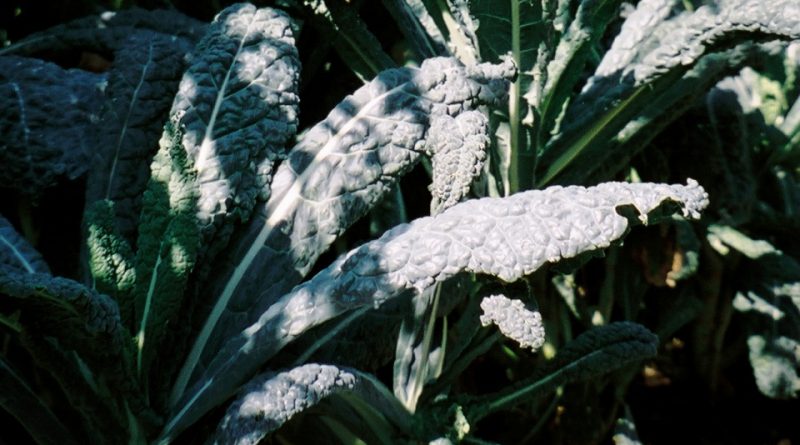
{"x": 235, "y": 110}
{"x": 141, "y": 84}
{"x": 474, "y": 236}
{"x": 341, "y": 168}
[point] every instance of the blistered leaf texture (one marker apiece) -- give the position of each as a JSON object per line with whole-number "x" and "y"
{"x": 340, "y": 169}
{"x": 457, "y": 146}
{"x": 141, "y": 84}
{"x": 79, "y": 317}
{"x": 46, "y": 114}
{"x": 108, "y": 31}
{"x": 17, "y": 252}
{"x": 636, "y": 28}
{"x": 236, "y": 108}
{"x": 271, "y": 400}
{"x": 505, "y": 237}
{"x": 514, "y": 320}
{"x": 110, "y": 257}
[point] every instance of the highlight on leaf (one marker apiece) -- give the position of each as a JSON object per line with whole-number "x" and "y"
{"x": 514, "y": 320}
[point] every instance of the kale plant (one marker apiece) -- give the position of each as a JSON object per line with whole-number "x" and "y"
{"x": 199, "y": 298}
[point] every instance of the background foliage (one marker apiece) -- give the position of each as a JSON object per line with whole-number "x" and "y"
{"x": 722, "y": 295}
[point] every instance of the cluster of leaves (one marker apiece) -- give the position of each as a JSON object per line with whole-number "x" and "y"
{"x": 206, "y": 214}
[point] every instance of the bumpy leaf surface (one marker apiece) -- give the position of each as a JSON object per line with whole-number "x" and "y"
{"x": 270, "y": 400}
{"x": 514, "y": 320}
{"x": 458, "y": 149}
{"x": 17, "y": 252}
{"x": 46, "y": 114}
{"x": 79, "y": 317}
{"x": 110, "y": 257}
{"x": 508, "y": 238}
{"x": 108, "y": 31}
{"x": 340, "y": 169}
{"x": 141, "y": 84}
{"x": 235, "y": 109}
{"x": 684, "y": 49}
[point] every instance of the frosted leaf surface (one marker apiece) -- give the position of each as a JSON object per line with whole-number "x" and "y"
{"x": 514, "y": 320}
{"x": 505, "y": 237}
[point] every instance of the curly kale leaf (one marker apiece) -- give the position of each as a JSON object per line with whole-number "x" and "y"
{"x": 46, "y": 117}
{"x": 110, "y": 258}
{"x": 614, "y": 116}
{"x": 505, "y": 237}
{"x": 514, "y": 320}
{"x": 235, "y": 109}
{"x": 340, "y": 169}
{"x": 17, "y": 252}
{"x": 81, "y": 318}
{"x": 457, "y": 146}
{"x": 270, "y": 400}
{"x": 108, "y": 31}
{"x": 141, "y": 84}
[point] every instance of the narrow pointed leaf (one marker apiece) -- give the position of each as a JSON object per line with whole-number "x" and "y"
{"x": 508, "y": 238}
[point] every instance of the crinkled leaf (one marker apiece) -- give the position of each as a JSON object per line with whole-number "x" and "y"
{"x": 458, "y": 148}
{"x": 235, "y": 110}
{"x": 108, "y": 31}
{"x": 674, "y": 47}
{"x": 270, "y": 400}
{"x": 340, "y": 169}
{"x": 514, "y": 320}
{"x": 141, "y": 84}
{"x": 508, "y": 238}
{"x": 17, "y": 252}
{"x": 46, "y": 116}
{"x": 111, "y": 259}
{"x": 19, "y": 400}
{"x": 81, "y": 318}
